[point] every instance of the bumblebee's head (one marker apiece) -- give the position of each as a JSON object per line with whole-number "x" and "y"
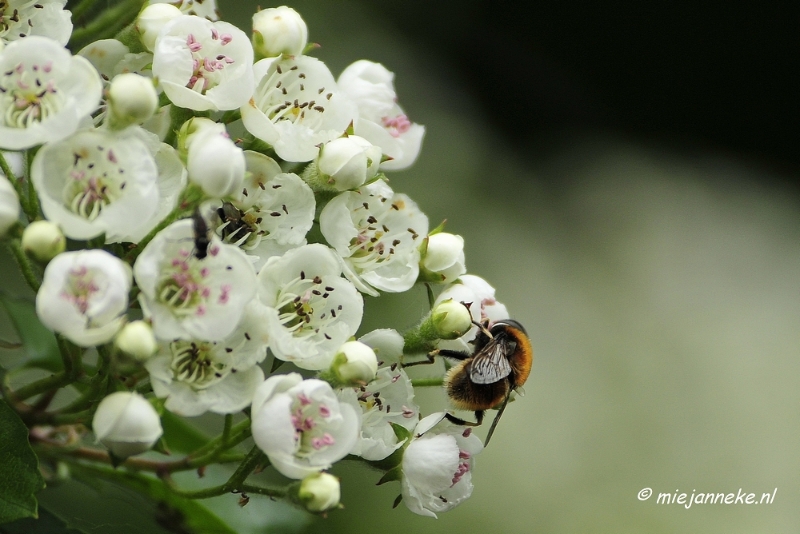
{"x": 501, "y": 325}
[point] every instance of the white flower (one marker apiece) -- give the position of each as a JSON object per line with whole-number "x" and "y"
{"x": 389, "y": 398}
{"x": 46, "y": 18}
{"x": 475, "y": 291}
{"x": 110, "y": 57}
{"x": 201, "y": 8}
{"x": 136, "y": 339}
{"x": 313, "y": 310}
{"x": 9, "y": 205}
{"x": 355, "y": 363}
{"x": 204, "y": 65}
{"x": 381, "y": 121}
{"x": 301, "y": 425}
{"x": 272, "y": 214}
{"x": 191, "y": 298}
{"x": 347, "y": 162}
{"x": 387, "y": 343}
{"x": 96, "y": 182}
{"x": 44, "y": 92}
{"x": 132, "y": 99}
{"x": 200, "y": 376}
{"x": 377, "y": 233}
{"x": 437, "y": 466}
{"x": 319, "y": 492}
{"x": 84, "y": 296}
{"x": 152, "y": 19}
{"x": 43, "y": 240}
{"x": 214, "y": 162}
{"x": 279, "y": 30}
{"x": 444, "y": 256}
{"x": 296, "y": 106}
{"x": 126, "y": 423}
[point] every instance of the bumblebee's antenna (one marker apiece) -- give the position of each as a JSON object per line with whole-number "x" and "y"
{"x": 497, "y": 418}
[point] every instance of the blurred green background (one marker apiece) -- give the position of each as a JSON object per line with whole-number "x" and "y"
{"x": 658, "y": 283}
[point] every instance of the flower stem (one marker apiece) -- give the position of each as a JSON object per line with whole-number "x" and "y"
{"x": 427, "y": 382}
{"x": 25, "y": 266}
{"x": 53, "y": 381}
{"x": 234, "y": 483}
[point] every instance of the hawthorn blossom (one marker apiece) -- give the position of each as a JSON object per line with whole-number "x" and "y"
{"x": 84, "y": 296}
{"x": 191, "y": 298}
{"x": 377, "y": 233}
{"x": 443, "y": 257}
{"x": 214, "y": 161}
{"x": 300, "y": 424}
{"x": 313, "y": 310}
{"x": 272, "y": 214}
{"x": 389, "y": 398}
{"x": 296, "y": 106}
{"x": 437, "y": 466}
{"x": 44, "y": 92}
{"x": 347, "y": 163}
{"x": 97, "y": 182}
{"x": 45, "y": 18}
{"x": 203, "y": 65}
{"x": 381, "y": 121}
{"x": 198, "y": 376}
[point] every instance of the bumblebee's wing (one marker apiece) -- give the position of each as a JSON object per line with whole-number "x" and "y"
{"x": 490, "y": 364}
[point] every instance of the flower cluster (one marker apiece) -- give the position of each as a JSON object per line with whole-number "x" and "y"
{"x": 193, "y": 256}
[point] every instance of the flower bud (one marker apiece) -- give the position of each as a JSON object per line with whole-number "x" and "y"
{"x": 355, "y": 363}
{"x": 319, "y": 492}
{"x": 214, "y": 162}
{"x": 43, "y": 241}
{"x": 9, "y": 205}
{"x": 126, "y": 423}
{"x": 347, "y": 162}
{"x": 443, "y": 258}
{"x": 279, "y": 30}
{"x": 451, "y": 319}
{"x": 136, "y": 339}
{"x": 152, "y": 19}
{"x": 132, "y": 99}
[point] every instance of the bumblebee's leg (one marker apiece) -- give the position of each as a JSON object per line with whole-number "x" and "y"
{"x": 497, "y": 417}
{"x": 456, "y": 355}
{"x": 463, "y": 422}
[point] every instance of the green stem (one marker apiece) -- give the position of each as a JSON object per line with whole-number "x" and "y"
{"x": 54, "y": 381}
{"x": 25, "y": 265}
{"x": 427, "y": 382}
{"x": 33, "y": 197}
{"x": 237, "y": 434}
{"x": 235, "y": 482}
{"x": 277, "y": 493}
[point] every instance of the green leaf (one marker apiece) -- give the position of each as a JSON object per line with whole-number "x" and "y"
{"x": 180, "y": 435}
{"x": 39, "y": 343}
{"x": 175, "y": 513}
{"x": 19, "y": 468}
{"x": 46, "y": 524}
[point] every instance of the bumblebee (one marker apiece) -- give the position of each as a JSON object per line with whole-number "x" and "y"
{"x": 500, "y": 363}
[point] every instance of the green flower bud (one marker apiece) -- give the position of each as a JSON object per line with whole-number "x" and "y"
{"x": 355, "y": 364}
{"x": 136, "y": 339}
{"x": 319, "y": 492}
{"x": 43, "y": 241}
{"x": 451, "y": 319}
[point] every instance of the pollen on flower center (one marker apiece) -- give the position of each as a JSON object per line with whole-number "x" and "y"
{"x": 286, "y": 94}
{"x": 28, "y": 95}
{"x": 397, "y": 125}
{"x": 194, "y": 364}
{"x": 302, "y": 305}
{"x": 81, "y": 286}
{"x": 208, "y": 61}
{"x": 376, "y": 242}
{"x": 95, "y": 181}
{"x": 310, "y": 435}
{"x": 184, "y": 285}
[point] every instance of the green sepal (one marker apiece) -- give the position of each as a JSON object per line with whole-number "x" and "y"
{"x": 310, "y": 47}
{"x": 397, "y": 501}
{"x": 391, "y": 475}
{"x": 395, "y": 459}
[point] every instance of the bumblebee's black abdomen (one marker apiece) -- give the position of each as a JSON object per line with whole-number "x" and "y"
{"x": 467, "y": 395}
